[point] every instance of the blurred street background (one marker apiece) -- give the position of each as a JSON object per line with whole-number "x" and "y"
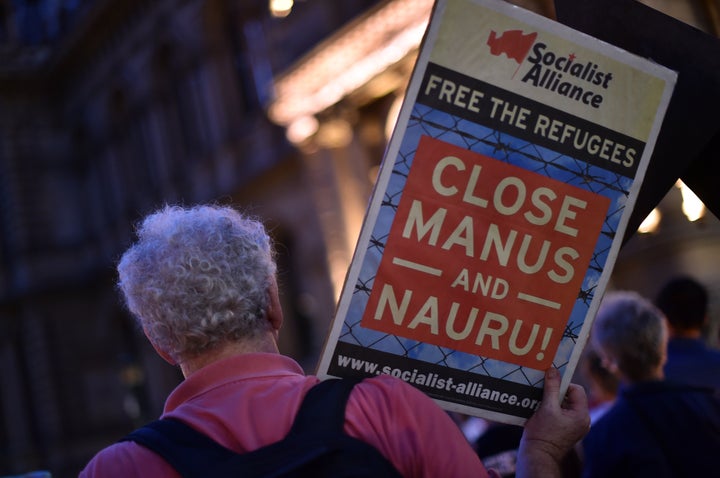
{"x": 112, "y": 108}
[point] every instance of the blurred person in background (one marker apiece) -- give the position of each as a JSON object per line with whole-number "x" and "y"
{"x": 202, "y": 284}
{"x": 684, "y": 301}
{"x": 655, "y": 428}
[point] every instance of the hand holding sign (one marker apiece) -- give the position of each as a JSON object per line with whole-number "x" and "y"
{"x": 554, "y": 429}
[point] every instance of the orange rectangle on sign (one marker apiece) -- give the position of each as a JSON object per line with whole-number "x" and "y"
{"x": 484, "y": 257}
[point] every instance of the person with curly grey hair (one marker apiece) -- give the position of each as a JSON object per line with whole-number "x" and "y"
{"x": 201, "y": 283}
{"x": 198, "y": 279}
{"x": 655, "y": 428}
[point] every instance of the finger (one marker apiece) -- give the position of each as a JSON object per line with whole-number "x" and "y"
{"x": 576, "y": 406}
{"x": 575, "y": 398}
{"x": 576, "y": 393}
{"x": 551, "y": 390}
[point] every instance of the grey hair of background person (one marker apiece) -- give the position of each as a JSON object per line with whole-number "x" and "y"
{"x": 198, "y": 277}
{"x": 631, "y": 330}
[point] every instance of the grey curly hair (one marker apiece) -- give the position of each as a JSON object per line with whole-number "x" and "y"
{"x": 198, "y": 277}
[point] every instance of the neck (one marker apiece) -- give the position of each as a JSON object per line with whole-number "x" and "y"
{"x": 267, "y": 343}
{"x": 655, "y": 374}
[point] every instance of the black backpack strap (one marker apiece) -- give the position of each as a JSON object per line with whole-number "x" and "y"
{"x": 322, "y": 411}
{"x": 315, "y": 446}
{"x": 183, "y": 447}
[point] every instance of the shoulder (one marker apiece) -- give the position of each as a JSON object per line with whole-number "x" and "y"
{"x": 410, "y": 429}
{"x": 616, "y": 445}
{"x": 684, "y": 400}
{"x": 392, "y": 400}
{"x": 692, "y": 350}
{"x": 127, "y": 460}
{"x": 712, "y": 356}
{"x": 396, "y": 402}
{"x": 618, "y": 413}
{"x": 618, "y": 428}
{"x": 393, "y": 388}
{"x": 674, "y": 413}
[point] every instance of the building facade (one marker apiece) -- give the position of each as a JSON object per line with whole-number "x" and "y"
{"x": 110, "y": 109}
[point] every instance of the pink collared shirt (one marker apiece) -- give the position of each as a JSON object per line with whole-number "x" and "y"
{"x": 248, "y": 401}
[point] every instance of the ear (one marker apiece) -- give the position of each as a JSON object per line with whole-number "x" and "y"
{"x": 165, "y": 356}
{"x": 664, "y": 346}
{"x": 611, "y": 366}
{"x": 608, "y": 362}
{"x": 663, "y": 355}
{"x": 274, "y": 310}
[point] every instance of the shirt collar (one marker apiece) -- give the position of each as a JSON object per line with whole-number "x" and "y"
{"x": 239, "y": 367}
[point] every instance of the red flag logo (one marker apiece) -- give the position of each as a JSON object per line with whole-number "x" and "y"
{"x": 514, "y": 43}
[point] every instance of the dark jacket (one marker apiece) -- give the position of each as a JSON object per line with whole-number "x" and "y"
{"x": 692, "y": 362}
{"x": 656, "y": 429}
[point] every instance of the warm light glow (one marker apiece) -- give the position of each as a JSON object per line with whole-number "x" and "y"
{"x": 281, "y": 8}
{"x": 392, "y": 117}
{"x": 692, "y": 206}
{"x": 373, "y": 173}
{"x": 301, "y": 129}
{"x": 651, "y": 222}
{"x": 350, "y": 59}
{"x": 336, "y": 133}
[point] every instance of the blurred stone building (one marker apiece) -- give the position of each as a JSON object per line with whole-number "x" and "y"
{"x": 112, "y": 108}
{"x": 109, "y": 109}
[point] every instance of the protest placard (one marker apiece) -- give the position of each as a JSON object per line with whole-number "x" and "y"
{"x": 499, "y": 209}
